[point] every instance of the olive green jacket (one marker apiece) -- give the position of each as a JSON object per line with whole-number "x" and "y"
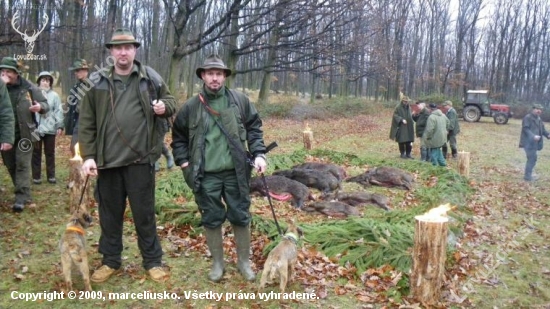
{"x": 95, "y": 111}
{"x": 22, "y": 95}
{"x": 241, "y": 121}
{"x": 7, "y": 120}
{"x": 437, "y": 126}
{"x": 454, "y": 126}
{"x": 399, "y": 131}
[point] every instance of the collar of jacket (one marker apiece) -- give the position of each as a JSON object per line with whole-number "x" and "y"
{"x": 136, "y": 68}
{"x": 211, "y": 95}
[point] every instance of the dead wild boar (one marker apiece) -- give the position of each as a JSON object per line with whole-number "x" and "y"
{"x": 361, "y": 198}
{"x": 335, "y": 170}
{"x": 386, "y": 177}
{"x": 281, "y": 185}
{"x": 323, "y": 181}
{"x": 333, "y": 209}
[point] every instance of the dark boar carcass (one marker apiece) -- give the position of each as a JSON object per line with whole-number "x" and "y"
{"x": 279, "y": 185}
{"x": 335, "y": 170}
{"x": 362, "y": 198}
{"x": 333, "y": 209}
{"x": 323, "y": 181}
{"x": 385, "y": 177}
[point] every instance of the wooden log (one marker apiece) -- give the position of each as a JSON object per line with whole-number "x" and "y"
{"x": 77, "y": 179}
{"x": 308, "y": 138}
{"x": 429, "y": 255}
{"x": 464, "y": 163}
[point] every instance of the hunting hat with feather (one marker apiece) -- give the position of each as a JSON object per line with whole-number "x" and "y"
{"x": 10, "y": 63}
{"x": 122, "y": 36}
{"x": 213, "y": 62}
{"x": 79, "y": 64}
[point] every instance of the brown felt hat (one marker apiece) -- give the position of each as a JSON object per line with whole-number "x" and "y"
{"x": 122, "y": 36}
{"x": 213, "y": 62}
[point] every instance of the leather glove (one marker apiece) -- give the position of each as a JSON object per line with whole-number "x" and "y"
{"x": 260, "y": 164}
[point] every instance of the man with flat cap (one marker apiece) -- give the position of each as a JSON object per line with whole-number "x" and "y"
{"x": 532, "y": 131}
{"x": 119, "y": 142}
{"x": 26, "y": 100}
{"x": 210, "y": 136}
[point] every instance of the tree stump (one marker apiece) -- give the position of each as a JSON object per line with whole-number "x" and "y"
{"x": 429, "y": 255}
{"x": 308, "y": 138}
{"x": 464, "y": 163}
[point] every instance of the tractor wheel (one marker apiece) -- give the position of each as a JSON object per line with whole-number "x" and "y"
{"x": 500, "y": 118}
{"x": 471, "y": 113}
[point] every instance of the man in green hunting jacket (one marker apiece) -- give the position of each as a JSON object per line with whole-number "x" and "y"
{"x": 7, "y": 121}
{"x": 435, "y": 134}
{"x": 119, "y": 142}
{"x": 26, "y": 100}
{"x": 214, "y": 166}
{"x": 402, "y": 128}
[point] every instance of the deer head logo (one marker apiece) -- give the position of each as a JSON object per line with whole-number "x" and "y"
{"x": 29, "y": 40}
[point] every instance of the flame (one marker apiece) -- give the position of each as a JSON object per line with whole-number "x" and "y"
{"x": 438, "y": 214}
{"x": 76, "y": 153}
{"x": 307, "y": 129}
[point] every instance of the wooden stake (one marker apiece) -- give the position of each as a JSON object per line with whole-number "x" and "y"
{"x": 429, "y": 255}
{"x": 308, "y": 138}
{"x": 464, "y": 163}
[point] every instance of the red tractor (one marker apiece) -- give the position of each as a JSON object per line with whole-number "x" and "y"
{"x": 476, "y": 104}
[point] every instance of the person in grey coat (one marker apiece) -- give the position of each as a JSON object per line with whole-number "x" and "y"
{"x": 532, "y": 131}
{"x": 402, "y": 128}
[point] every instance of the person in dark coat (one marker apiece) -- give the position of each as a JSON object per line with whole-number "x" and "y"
{"x": 80, "y": 68}
{"x": 402, "y": 128}
{"x": 532, "y": 131}
{"x": 421, "y": 118}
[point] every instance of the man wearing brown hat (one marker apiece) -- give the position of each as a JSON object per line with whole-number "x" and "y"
{"x": 26, "y": 100}
{"x": 119, "y": 142}
{"x": 80, "y": 68}
{"x": 210, "y": 137}
{"x": 532, "y": 131}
